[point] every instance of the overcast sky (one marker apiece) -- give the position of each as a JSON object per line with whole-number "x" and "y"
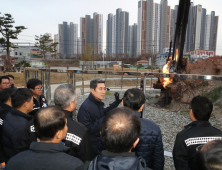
{"x": 43, "y": 16}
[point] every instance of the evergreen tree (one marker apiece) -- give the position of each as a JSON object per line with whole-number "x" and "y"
{"x": 8, "y": 33}
{"x": 44, "y": 45}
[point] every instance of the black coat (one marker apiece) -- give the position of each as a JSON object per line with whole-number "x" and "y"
{"x": 4, "y": 109}
{"x": 44, "y": 156}
{"x": 194, "y": 134}
{"x": 91, "y": 114}
{"x": 77, "y": 139}
{"x": 150, "y": 146}
{"x": 38, "y": 104}
{"x": 114, "y": 161}
{"x": 14, "y": 126}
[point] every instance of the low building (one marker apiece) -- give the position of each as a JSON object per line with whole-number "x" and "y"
{"x": 200, "y": 54}
{"x": 100, "y": 64}
{"x": 144, "y": 63}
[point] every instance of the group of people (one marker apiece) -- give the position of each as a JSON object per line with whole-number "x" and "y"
{"x": 34, "y": 135}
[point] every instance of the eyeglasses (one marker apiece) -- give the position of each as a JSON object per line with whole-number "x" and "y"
{"x": 39, "y": 88}
{"x": 5, "y": 83}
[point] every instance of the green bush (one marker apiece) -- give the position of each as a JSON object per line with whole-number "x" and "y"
{"x": 215, "y": 94}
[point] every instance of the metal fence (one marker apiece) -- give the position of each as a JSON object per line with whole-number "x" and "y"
{"x": 117, "y": 80}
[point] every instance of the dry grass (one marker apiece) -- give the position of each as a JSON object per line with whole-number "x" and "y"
{"x": 59, "y": 78}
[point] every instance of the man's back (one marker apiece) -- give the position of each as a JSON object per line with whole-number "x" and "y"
{"x": 13, "y": 128}
{"x": 194, "y": 134}
{"x": 114, "y": 161}
{"x": 150, "y": 146}
{"x": 45, "y": 156}
{"x": 77, "y": 139}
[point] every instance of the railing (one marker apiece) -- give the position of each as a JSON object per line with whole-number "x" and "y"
{"x": 118, "y": 80}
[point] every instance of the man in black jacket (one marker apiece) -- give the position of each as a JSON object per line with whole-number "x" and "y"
{"x": 77, "y": 136}
{"x": 5, "y": 107}
{"x": 150, "y": 146}
{"x": 16, "y": 121}
{"x": 92, "y": 111}
{"x": 194, "y": 134}
{"x": 39, "y": 100}
{"x": 120, "y": 130}
{"x": 49, "y": 153}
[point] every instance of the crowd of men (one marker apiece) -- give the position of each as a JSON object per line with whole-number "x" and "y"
{"x": 34, "y": 135}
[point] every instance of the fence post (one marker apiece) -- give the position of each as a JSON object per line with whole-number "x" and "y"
{"x": 122, "y": 78}
{"x": 137, "y": 76}
{"x": 105, "y": 72}
{"x": 144, "y": 91}
{"x": 42, "y": 79}
{"x": 82, "y": 91}
{"x": 73, "y": 79}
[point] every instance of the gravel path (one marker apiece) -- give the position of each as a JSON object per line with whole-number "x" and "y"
{"x": 170, "y": 123}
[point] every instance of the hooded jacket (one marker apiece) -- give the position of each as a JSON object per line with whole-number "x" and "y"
{"x": 150, "y": 146}
{"x": 117, "y": 161}
{"x": 91, "y": 114}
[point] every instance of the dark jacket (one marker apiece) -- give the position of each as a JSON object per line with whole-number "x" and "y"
{"x": 77, "y": 139}
{"x": 44, "y": 156}
{"x": 4, "y": 109}
{"x": 150, "y": 146}
{"x": 91, "y": 114}
{"x": 14, "y": 126}
{"x": 113, "y": 161}
{"x": 13, "y": 86}
{"x": 38, "y": 104}
{"x": 194, "y": 134}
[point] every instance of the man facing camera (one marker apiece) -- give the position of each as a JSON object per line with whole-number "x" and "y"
{"x": 39, "y": 100}
{"x": 120, "y": 130}
{"x": 194, "y": 134}
{"x": 150, "y": 146}
{"x": 49, "y": 153}
{"x": 92, "y": 111}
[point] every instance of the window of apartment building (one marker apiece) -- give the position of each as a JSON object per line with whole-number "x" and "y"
{"x": 20, "y": 53}
{"x": 16, "y": 53}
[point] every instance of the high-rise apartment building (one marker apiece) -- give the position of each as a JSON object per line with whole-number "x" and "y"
{"x": 153, "y": 31}
{"x": 117, "y": 33}
{"x": 91, "y": 32}
{"x": 124, "y": 29}
{"x": 132, "y": 40}
{"x": 149, "y": 27}
{"x": 201, "y": 29}
{"x": 156, "y": 28}
{"x": 141, "y": 27}
{"x": 68, "y": 39}
{"x": 163, "y": 24}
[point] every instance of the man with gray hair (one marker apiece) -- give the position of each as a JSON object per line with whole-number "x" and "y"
{"x": 92, "y": 111}
{"x": 77, "y": 137}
